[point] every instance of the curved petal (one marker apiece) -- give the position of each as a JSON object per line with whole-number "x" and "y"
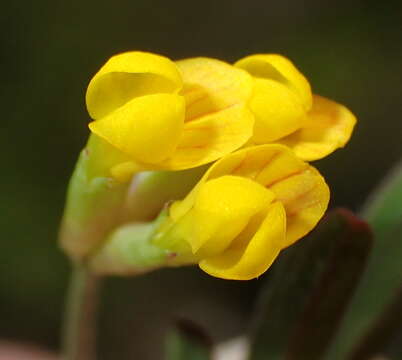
{"x": 278, "y": 68}
{"x": 124, "y": 171}
{"x": 247, "y": 260}
{"x": 222, "y": 209}
{"x": 147, "y": 128}
{"x": 305, "y": 196}
{"x": 296, "y": 184}
{"x": 328, "y": 126}
{"x": 211, "y": 85}
{"x": 212, "y": 137}
{"x": 265, "y": 164}
{"x": 277, "y": 109}
{"x": 128, "y": 75}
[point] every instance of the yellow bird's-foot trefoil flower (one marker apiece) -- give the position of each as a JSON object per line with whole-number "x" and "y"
{"x": 150, "y": 113}
{"x": 246, "y": 208}
{"x": 165, "y": 115}
{"x": 287, "y": 112}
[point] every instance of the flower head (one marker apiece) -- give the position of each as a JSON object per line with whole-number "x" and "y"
{"x": 287, "y": 112}
{"x": 164, "y": 115}
{"x": 151, "y": 114}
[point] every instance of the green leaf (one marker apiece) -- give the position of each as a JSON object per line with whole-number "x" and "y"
{"x": 187, "y": 342}
{"x": 380, "y": 337}
{"x": 383, "y": 275}
{"x": 383, "y": 210}
{"x": 310, "y": 288}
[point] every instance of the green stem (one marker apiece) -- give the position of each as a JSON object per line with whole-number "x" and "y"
{"x": 80, "y": 316}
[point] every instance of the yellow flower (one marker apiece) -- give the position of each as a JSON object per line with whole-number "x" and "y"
{"x": 163, "y": 115}
{"x": 247, "y": 207}
{"x": 287, "y": 112}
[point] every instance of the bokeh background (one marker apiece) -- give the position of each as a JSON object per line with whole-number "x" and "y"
{"x": 350, "y": 50}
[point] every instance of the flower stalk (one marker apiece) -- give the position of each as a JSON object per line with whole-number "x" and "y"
{"x": 79, "y": 333}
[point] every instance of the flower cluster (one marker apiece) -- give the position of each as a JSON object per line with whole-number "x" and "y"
{"x": 256, "y": 121}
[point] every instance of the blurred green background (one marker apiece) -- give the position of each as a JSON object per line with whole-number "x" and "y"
{"x": 349, "y": 50}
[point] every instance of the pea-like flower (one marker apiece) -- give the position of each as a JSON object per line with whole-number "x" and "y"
{"x": 287, "y": 112}
{"x": 158, "y": 114}
{"x": 150, "y": 114}
{"x": 247, "y": 207}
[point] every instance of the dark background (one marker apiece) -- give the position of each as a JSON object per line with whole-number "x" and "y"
{"x": 349, "y": 50}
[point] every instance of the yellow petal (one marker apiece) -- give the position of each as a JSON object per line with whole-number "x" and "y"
{"x": 277, "y": 109}
{"x": 251, "y": 162}
{"x": 212, "y": 137}
{"x": 299, "y": 186}
{"x": 265, "y": 164}
{"x": 305, "y": 196}
{"x": 147, "y": 128}
{"x": 124, "y": 171}
{"x": 211, "y": 85}
{"x": 128, "y": 75}
{"x": 328, "y": 126}
{"x": 278, "y": 68}
{"x": 296, "y": 184}
{"x": 222, "y": 209}
{"x": 248, "y": 260}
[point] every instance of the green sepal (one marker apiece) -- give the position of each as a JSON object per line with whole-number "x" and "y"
{"x": 94, "y": 201}
{"x": 136, "y": 248}
{"x": 151, "y": 190}
{"x": 129, "y": 251}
